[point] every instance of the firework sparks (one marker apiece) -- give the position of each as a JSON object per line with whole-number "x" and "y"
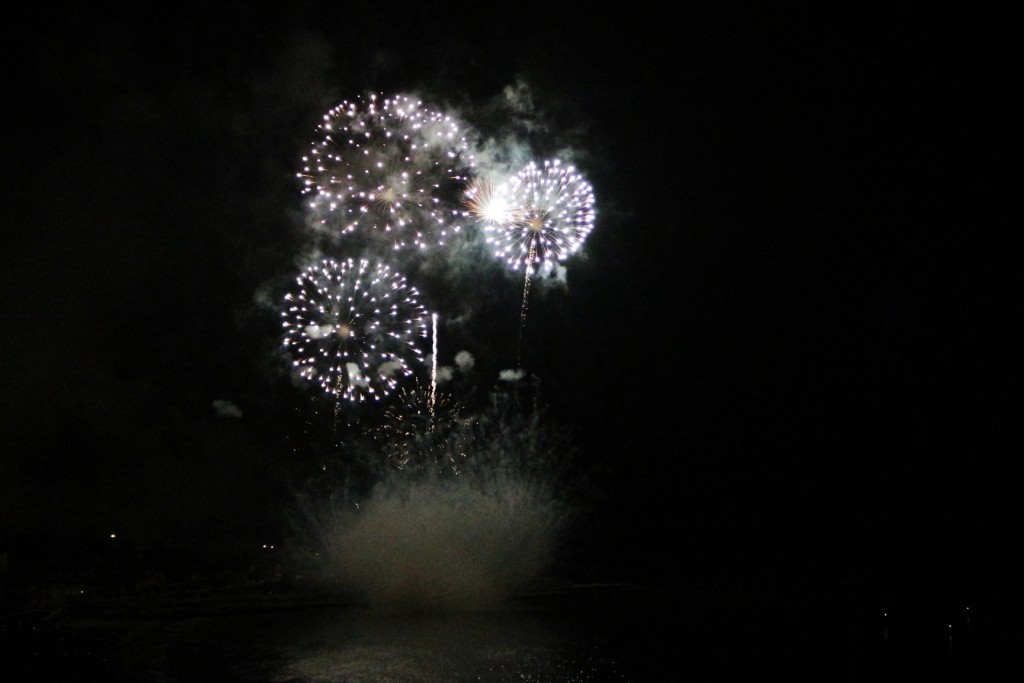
{"x": 541, "y": 214}
{"x": 423, "y": 428}
{"x": 389, "y": 169}
{"x": 351, "y": 327}
{"x": 488, "y": 202}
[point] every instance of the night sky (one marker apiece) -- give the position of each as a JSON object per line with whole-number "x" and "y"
{"x": 784, "y": 350}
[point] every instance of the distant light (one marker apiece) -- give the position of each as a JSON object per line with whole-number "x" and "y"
{"x": 113, "y": 535}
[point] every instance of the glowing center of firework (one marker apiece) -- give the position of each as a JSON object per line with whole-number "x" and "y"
{"x": 388, "y": 195}
{"x": 535, "y": 223}
{"x": 343, "y": 331}
{"x": 495, "y": 210}
{"x": 489, "y": 204}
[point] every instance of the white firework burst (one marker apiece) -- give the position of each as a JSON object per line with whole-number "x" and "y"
{"x": 352, "y": 328}
{"x": 541, "y": 215}
{"x": 390, "y": 170}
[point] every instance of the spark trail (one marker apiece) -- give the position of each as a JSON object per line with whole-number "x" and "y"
{"x": 433, "y": 365}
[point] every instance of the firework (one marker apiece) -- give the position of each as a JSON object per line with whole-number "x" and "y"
{"x": 542, "y": 214}
{"x": 423, "y": 428}
{"x": 390, "y": 170}
{"x": 488, "y": 201}
{"x": 351, "y": 327}
{"x": 433, "y": 363}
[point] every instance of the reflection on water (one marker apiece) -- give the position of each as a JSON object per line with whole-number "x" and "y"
{"x": 360, "y": 645}
{"x": 592, "y": 633}
{"x": 607, "y": 635}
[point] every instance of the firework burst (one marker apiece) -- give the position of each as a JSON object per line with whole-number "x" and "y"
{"x": 422, "y": 428}
{"x": 390, "y": 170}
{"x": 489, "y": 203}
{"x": 352, "y": 327}
{"x": 542, "y": 214}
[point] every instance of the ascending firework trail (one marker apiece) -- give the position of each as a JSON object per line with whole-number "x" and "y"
{"x": 433, "y": 364}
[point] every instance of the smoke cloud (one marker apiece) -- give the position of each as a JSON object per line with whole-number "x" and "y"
{"x": 465, "y": 524}
{"x": 464, "y": 360}
{"x": 226, "y": 409}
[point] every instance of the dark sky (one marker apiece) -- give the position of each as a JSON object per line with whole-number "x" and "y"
{"x": 787, "y": 334}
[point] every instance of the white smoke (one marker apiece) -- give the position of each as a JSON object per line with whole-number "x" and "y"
{"x": 421, "y": 538}
{"x": 511, "y": 375}
{"x": 445, "y": 373}
{"x": 389, "y": 368}
{"x": 356, "y": 378}
{"x": 465, "y": 361}
{"x": 448, "y": 545}
{"x": 226, "y": 409}
{"x": 318, "y": 331}
{"x": 550, "y": 274}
